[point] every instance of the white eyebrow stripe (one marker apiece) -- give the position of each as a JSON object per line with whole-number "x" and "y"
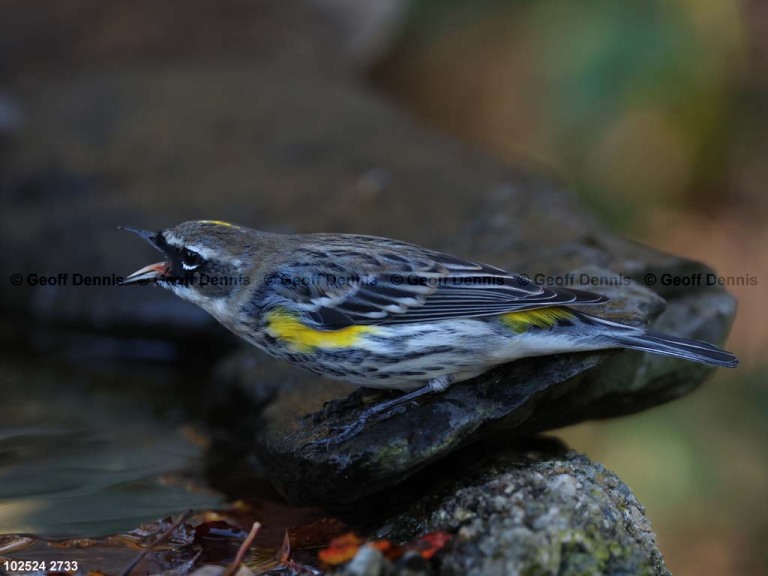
{"x": 172, "y": 239}
{"x": 177, "y": 242}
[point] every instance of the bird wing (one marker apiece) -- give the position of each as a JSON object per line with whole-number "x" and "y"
{"x": 345, "y": 280}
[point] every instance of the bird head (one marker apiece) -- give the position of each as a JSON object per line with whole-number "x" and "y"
{"x": 206, "y": 261}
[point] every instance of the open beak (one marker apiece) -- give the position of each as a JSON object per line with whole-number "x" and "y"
{"x": 150, "y": 237}
{"x": 148, "y": 273}
{"x": 153, "y": 271}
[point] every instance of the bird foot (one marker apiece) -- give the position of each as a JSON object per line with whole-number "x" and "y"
{"x": 338, "y": 434}
{"x": 340, "y": 406}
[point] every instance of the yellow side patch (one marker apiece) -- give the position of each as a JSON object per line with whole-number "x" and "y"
{"x": 538, "y": 318}
{"x": 286, "y": 327}
{"x": 218, "y": 223}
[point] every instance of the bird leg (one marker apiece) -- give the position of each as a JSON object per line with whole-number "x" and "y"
{"x": 390, "y": 406}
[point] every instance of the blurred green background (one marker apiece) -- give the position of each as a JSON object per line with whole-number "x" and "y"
{"x": 656, "y": 112}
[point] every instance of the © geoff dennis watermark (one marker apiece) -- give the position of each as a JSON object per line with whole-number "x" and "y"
{"x": 569, "y": 280}
{"x": 78, "y": 279}
{"x": 699, "y": 279}
{"x": 696, "y": 279}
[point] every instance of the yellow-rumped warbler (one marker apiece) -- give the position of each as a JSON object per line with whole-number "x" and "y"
{"x": 381, "y": 313}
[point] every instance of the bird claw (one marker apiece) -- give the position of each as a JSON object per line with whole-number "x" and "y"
{"x": 340, "y": 433}
{"x": 377, "y": 412}
{"x": 337, "y": 435}
{"x": 338, "y": 406}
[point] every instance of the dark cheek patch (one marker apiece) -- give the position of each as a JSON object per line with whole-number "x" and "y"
{"x": 217, "y": 280}
{"x": 210, "y": 279}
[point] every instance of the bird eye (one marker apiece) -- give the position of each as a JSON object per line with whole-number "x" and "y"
{"x": 190, "y": 260}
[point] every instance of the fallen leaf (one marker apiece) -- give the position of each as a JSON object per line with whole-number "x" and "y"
{"x": 340, "y": 550}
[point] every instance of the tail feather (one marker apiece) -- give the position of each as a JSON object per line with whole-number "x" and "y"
{"x": 623, "y": 336}
{"x": 678, "y": 347}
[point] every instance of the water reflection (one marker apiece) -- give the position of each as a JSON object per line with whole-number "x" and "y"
{"x": 97, "y": 449}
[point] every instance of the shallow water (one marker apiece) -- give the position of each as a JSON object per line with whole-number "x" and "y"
{"x": 98, "y": 448}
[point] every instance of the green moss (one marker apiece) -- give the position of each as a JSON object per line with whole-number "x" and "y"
{"x": 587, "y": 552}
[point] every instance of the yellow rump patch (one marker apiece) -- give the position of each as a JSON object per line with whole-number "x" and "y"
{"x": 286, "y": 327}
{"x": 537, "y": 318}
{"x": 219, "y": 223}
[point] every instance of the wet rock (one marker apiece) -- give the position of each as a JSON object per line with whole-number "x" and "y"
{"x": 387, "y": 451}
{"x": 540, "y": 510}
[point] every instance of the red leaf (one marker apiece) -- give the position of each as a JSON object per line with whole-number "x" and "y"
{"x": 341, "y": 549}
{"x": 430, "y": 544}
